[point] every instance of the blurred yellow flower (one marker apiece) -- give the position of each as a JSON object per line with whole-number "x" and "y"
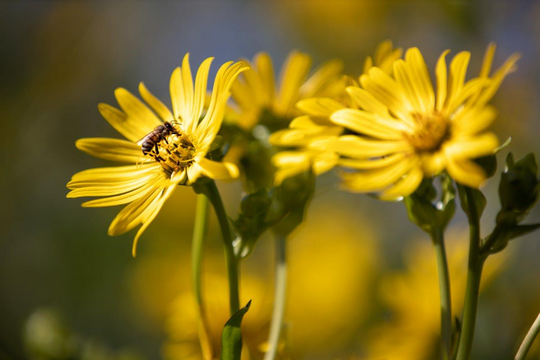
{"x": 256, "y": 93}
{"x": 406, "y": 131}
{"x": 313, "y": 133}
{"x": 164, "y": 149}
{"x": 183, "y": 337}
{"x": 412, "y": 297}
{"x": 329, "y": 293}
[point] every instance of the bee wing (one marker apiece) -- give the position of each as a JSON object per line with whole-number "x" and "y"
{"x": 140, "y": 142}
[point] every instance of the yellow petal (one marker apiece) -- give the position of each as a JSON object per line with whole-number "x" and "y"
{"x": 150, "y": 215}
{"x": 200, "y": 92}
{"x": 458, "y": 70}
{"x": 404, "y": 187}
{"x": 109, "y": 189}
{"x": 218, "y": 170}
{"x": 367, "y": 101}
{"x": 136, "y": 111}
{"x": 124, "y": 198}
{"x": 441, "y": 74}
{"x": 488, "y": 60}
{"x": 112, "y": 174}
{"x": 264, "y": 65}
{"x": 371, "y": 164}
{"x": 475, "y": 121}
{"x": 317, "y": 83}
{"x": 127, "y": 126}
{"x": 321, "y": 107}
{"x": 387, "y": 91}
{"x": 110, "y": 149}
{"x": 163, "y": 111}
{"x": 359, "y": 147}
{"x": 497, "y": 80}
{"x": 478, "y": 146}
{"x": 130, "y": 216}
{"x": 466, "y": 172}
{"x": 293, "y": 74}
{"x": 369, "y": 124}
{"x": 379, "y": 179}
{"x": 211, "y": 123}
{"x": 419, "y": 75}
{"x": 434, "y": 164}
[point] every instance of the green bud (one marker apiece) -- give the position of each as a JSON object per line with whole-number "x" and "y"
{"x": 518, "y": 189}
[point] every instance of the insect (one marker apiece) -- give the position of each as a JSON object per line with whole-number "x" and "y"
{"x": 150, "y": 142}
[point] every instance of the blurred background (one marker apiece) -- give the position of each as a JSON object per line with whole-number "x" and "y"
{"x": 362, "y": 279}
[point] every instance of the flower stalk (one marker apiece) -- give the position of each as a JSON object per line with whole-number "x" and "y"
{"x": 233, "y": 265}
{"x": 279, "y": 297}
{"x": 529, "y": 339}
{"x": 197, "y": 248}
{"x": 445, "y": 294}
{"x": 474, "y": 275}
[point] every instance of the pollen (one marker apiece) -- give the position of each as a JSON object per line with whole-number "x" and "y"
{"x": 431, "y": 131}
{"x": 174, "y": 152}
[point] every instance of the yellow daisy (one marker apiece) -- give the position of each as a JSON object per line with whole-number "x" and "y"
{"x": 407, "y": 131}
{"x": 312, "y": 134}
{"x": 164, "y": 148}
{"x": 256, "y": 91}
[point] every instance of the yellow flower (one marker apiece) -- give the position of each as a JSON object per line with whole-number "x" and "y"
{"x": 312, "y": 134}
{"x": 408, "y": 131}
{"x": 164, "y": 148}
{"x": 256, "y": 91}
{"x": 412, "y": 297}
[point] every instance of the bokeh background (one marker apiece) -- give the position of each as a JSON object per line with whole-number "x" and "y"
{"x": 362, "y": 282}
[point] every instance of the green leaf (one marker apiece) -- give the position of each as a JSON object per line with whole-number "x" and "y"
{"x": 231, "y": 337}
{"x": 479, "y": 199}
{"x": 426, "y": 211}
{"x": 518, "y": 189}
{"x": 521, "y": 230}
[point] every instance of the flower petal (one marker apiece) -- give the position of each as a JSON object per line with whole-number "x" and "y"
{"x": 218, "y": 170}
{"x": 211, "y": 123}
{"x": 475, "y": 121}
{"x": 379, "y": 179}
{"x": 319, "y": 107}
{"x": 294, "y": 73}
{"x": 317, "y": 83}
{"x": 466, "y": 172}
{"x": 442, "y": 85}
{"x": 366, "y": 123}
{"x": 136, "y": 111}
{"x": 367, "y": 101}
{"x": 163, "y": 111}
{"x": 110, "y": 149}
{"x": 149, "y": 216}
{"x": 471, "y": 148}
{"x": 404, "y": 187}
{"x": 200, "y": 92}
{"x": 359, "y": 147}
{"x": 458, "y": 70}
{"x": 127, "y": 126}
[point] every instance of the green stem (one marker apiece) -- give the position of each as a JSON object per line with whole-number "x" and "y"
{"x": 199, "y": 236}
{"x": 279, "y": 297}
{"x": 233, "y": 265}
{"x": 474, "y": 275}
{"x": 445, "y": 294}
{"x": 529, "y": 339}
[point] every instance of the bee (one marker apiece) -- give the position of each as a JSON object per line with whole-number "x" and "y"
{"x": 149, "y": 143}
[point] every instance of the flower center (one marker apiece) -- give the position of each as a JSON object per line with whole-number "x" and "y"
{"x": 171, "y": 148}
{"x": 430, "y": 132}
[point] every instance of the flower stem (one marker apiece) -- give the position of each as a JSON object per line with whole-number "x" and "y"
{"x": 474, "y": 275}
{"x": 199, "y": 235}
{"x": 233, "y": 265}
{"x": 529, "y": 339}
{"x": 279, "y": 297}
{"x": 445, "y": 294}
